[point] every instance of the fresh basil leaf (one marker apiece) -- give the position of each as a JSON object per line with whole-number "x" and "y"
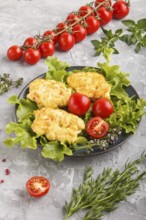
{"x": 141, "y": 24}
{"x": 96, "y": 43}
{"x": 124, "y": 38}
{"x": 115, "y": 51}
{"x": 144, "y": 40}
{"x": 129, "y": 23}
{"x": 138, "y": 47}
{"x": 119, "y": 32}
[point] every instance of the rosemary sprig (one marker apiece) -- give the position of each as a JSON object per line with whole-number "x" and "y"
{"x": 6, "y": 83}
{"x": 101, "y": 195}
{"x": 107, "y": 42}
{"x": 137, "y": 35}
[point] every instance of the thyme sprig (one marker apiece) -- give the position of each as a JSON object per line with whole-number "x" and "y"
{"x": 6, "y": 83}
{"x": 102, "y": 194}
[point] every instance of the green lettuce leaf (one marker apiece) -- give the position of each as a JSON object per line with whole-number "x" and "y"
{"x": 25, "y": 107}
{"x": 116, "y": 78}
{"x": 55, "y": 150}
{"x": 56, "y": 69}
{"x": 127, "y": 113}
{"x": 24, "y": 135}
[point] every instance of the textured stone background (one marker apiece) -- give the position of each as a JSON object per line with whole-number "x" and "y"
{"x": 23, "y": 18}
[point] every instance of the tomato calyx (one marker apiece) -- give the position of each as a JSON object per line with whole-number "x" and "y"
{"x": 38, "y": 186}
{"x": 97, "y": 127}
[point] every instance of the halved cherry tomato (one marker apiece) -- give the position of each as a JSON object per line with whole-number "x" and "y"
{"x": 78, "y": 104}
{"x": 38, "y": 186}
{"x": 51, "y": 34}
{"x": 97, "y": 127}
{"x": 102, "y": 107}
{"x": 29, "y": 42}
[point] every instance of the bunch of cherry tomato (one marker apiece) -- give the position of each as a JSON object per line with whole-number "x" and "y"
{"x": 74, "y": 29}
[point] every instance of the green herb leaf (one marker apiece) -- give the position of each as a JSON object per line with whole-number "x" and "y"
{"x": 102, "y": 194}
{"x": 129, "y": 23}
{"x": 141, "y": 24}
{"x": 24, "y": 135}
{"x": 55, "y": 150}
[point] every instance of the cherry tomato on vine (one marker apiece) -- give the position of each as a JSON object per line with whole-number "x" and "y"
{"x": 97, "y": 127}
{"x": 32, "y": 56}
{"x": 14, "y": 53}
{"x": 78, "y": 104}
{"x": 72, "y": 18}
{"x": 92, "y": 24}
{"x": 106, "y": 4}
{"x": 66, "y": 41}
{"x": 83, "y": 10}
{"x": 120, "y": 9}
{"x": 61, "y": 26}
{"x": 79, "y": 33}
{"x": 105, "y": 15}
{"x": 102, "y": 107}
{"x": 51, "y": 34}
{"x": 29, "y": 42}
{"x": 47, "y": 49}
{"x": 38, "y": 186}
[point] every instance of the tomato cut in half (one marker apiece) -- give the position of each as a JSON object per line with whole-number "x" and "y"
{"x": 38, "y": 186}
{"x": 97, "y": 127}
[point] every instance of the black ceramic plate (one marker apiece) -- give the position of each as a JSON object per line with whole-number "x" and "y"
{"x": 123, "y": 137}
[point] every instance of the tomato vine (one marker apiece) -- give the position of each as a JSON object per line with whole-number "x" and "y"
{"x": 74, "y": 29}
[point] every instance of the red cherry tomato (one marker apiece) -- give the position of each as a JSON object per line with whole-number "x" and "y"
{"x": 79, "y": 33}
{"x": 61, "y": 26}
{"x": 38, "y": 186}
{"x": 51, "y": 34}
{"x": 120, "y": 9}
{"x": 29, "y": 42}
{"x": 47, "y": 49}
{"x": 72, "y": 18}
{"x": 66, "y": 41}
{"x": 84, "y": 10}
{"x": 102, "y": 107}
{"x": 92, "y": 24}
{"x": 78, "y": 104}
{"x": 105, "y": 15}
{"x": 106, "y": 4}
{"x": 97, "y": 127}
{"x": 32, "y": 56}
{"x": 14, "y": 53}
